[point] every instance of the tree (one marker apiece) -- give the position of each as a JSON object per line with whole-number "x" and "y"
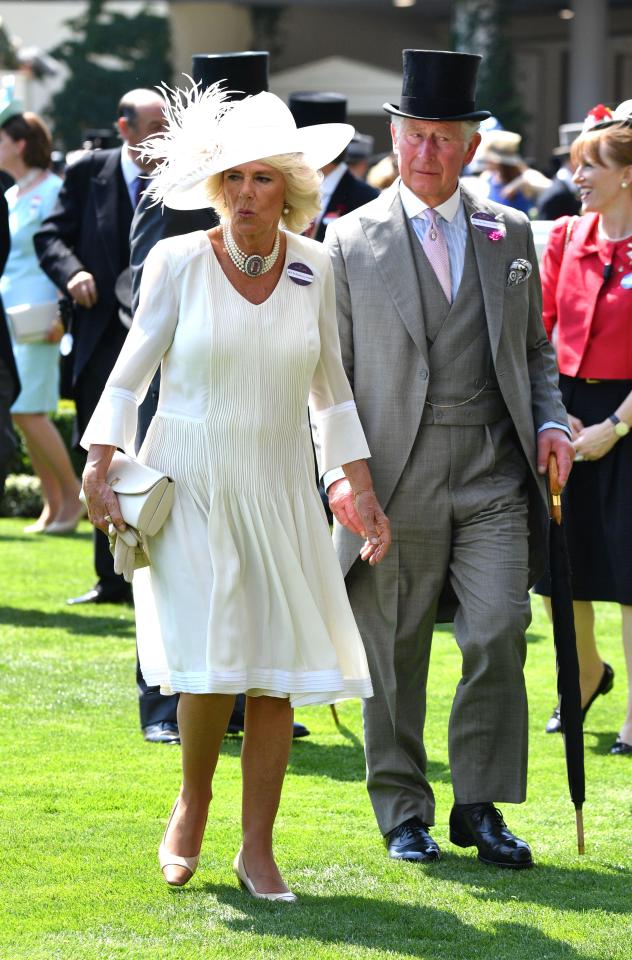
{"x": 8, "y": 56}
{"x": 108, "y": 54}
{"x": 267, "y": 22}
{"x": 478, "y": 27}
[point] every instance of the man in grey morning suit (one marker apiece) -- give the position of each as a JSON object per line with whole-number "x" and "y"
{"x": 456, "y": 386}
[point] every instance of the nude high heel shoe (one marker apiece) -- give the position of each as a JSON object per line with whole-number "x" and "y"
{"x": 60, "y": 527}
{"x": 167, "y": 859}
{"x": 246, "y": 882}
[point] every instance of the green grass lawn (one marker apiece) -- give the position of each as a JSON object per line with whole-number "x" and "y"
{"x": 84, "y": 802}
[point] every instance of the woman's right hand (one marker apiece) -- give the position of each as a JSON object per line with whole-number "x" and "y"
{"x": 102, "y": 502}
{"x": 576, "y": 426}
{"x": 103, "y": 505}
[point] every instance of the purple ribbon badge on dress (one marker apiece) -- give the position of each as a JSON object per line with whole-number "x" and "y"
{"x": 300, "y": 273}
{"x": 493, "y": 227}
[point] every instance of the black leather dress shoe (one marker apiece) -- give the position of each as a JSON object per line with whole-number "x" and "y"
{"x": 298, "y": 731}
{"x": 481, "y": 825}
{"x": 554, "y": 724}
{"x": 101, "y": 594}
{"x": 411, "y": 841}
{"x": 620, "y": 747}
{"x": 161, "y": 732}
{"x": 236, "y": 726}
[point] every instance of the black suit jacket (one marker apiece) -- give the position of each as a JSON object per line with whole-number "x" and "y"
{"x": 350, "y": 194}
{"x": 152, "y": 223}
{"x": 6, "y": 350}
{"x": 89, "y": 230}
{"x": 558, "y": 200}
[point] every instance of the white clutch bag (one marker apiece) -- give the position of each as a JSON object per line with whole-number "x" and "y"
{"x": 145, "y": 495}
{"x": 31, "y": 322}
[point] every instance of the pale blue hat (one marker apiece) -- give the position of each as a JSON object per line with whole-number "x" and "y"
{"x": 10, "y": 106}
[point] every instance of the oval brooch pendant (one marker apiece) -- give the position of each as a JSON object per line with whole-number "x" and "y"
{"x": 253, "y": 265}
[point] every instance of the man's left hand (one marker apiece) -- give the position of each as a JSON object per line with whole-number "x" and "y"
{"x": 556, "y": 442}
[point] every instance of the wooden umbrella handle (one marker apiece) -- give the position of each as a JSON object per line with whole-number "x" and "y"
{"x": 555, "y": 491}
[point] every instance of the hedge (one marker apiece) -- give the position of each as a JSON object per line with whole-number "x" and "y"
{"x": 64, "y": 420}
{"x": 22, "y": 494}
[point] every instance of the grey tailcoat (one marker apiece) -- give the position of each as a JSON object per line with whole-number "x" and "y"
{"x": 385, "y": 353}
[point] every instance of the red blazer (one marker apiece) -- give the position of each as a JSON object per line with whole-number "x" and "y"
{"x": 592, "y": 315}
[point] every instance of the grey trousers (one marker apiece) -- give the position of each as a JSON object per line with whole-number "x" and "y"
{"x": 459, "y": 511}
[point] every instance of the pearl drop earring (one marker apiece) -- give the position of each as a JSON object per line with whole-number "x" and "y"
{"x": 286, "y": 210}
{"x": 624, "y": 184}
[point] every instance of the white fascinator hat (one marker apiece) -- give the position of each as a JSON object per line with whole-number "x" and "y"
{"x": 206, "y": 134}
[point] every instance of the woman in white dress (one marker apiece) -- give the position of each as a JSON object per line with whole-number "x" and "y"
{"x": 244, "y": 592}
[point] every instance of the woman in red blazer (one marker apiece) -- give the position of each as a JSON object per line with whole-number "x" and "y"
{"x": 587, "y": 311}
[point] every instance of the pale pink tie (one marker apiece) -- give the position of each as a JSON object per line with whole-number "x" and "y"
{"x": 436, "y": 249}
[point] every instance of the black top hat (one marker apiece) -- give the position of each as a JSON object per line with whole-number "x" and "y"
{"x": 103, "y": 138}
{"x": 310, "y": 108}
{"x": 438, "y": 85}
{"x": 360, "y": 148}
{"x": 245, "y": 73}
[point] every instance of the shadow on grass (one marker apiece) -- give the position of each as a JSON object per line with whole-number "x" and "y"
{"x": 534, "y": 637}
{"x": 409, "y": 930}
{"x": 599, "y": 741}
{"x": 74, "y": 622}
{"x": 578, "y": 890}
{"x": 337, "y": 761}
{"x": 39, "y": 541}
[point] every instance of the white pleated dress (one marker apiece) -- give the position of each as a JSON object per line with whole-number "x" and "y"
{"x": 244, "y": 592}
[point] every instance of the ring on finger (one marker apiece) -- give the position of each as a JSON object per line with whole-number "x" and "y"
{"x": 107, "y": 518}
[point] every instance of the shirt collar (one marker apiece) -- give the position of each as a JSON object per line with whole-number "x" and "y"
{"x": 414, "y": 207}
{"x": 131, "y": 170}
{"x": 331, "y": 181}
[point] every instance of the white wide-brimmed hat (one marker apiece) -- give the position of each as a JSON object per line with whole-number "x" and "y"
{"x": 207, "y": 134}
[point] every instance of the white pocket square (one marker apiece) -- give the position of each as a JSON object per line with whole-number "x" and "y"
{"x": 519, "y": 271}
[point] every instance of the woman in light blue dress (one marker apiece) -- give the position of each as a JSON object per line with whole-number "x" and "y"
{"x": 25, "y": 146}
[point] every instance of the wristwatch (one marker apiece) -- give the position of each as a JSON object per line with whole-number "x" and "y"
{"x": 620, "y": 428}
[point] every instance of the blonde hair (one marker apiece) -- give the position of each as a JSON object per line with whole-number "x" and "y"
{"x": 302, "y": 190}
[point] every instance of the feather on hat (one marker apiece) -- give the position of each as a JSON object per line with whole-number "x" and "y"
{"x": 206, "y": 133}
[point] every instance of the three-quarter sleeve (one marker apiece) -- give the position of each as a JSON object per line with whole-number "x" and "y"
{"x": 340, "y": 437}
{"x": 114, "y": 420}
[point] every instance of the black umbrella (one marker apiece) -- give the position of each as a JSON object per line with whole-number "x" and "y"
{"x": 570, "y": 703}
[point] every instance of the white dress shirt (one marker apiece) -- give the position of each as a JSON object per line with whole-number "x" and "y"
{"x": 327, "y": 190}
{"x": 453, "y": 225}
{"x": 131, "y": 172}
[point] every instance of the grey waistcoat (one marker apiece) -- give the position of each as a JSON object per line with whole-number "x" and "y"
{"x": 462, "y": 382}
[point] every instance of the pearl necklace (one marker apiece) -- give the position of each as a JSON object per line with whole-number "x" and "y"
{"x": 253, "y": 265}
